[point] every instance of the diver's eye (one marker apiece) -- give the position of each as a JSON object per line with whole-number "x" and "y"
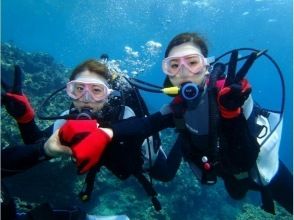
{"x": 193, "y": 61}
{"x": 96, "y": 89}
{"x": 174, "y": 65}
{"x": 79, "y": 88}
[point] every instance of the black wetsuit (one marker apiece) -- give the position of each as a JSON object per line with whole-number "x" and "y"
{"x": 122, "y": 156}
{"x": 125, "y": 131}
{"x": 130, "y": 133}
{"x": 280, "y": 187}
{"x": 127, "y": 139}
{"x": 16, "y": 159}
{"x": 22, "y": 157}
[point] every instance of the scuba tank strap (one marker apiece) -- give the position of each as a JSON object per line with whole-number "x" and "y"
{"x": 85, "y": 194}
{"x": 121, "y": 112}
{"x": 268, "y": 204}
{"x": 209, "y": 174}
{"x": 267, "y": 198}
{"x": 148, "y": 187}
{"x": 213, "y": 121}
{"x": 179, "y": 106}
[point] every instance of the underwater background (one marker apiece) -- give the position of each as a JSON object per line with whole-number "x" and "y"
{"x": 47, "y": 38}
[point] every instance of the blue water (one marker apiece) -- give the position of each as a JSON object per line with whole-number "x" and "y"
{"x": 75, "y": 30}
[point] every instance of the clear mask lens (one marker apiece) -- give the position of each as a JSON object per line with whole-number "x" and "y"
{"x": 194, "y": 63}
{"x": 87, "y": 91}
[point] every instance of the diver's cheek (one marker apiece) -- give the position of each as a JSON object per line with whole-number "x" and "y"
{"x": 176, "y": 80}
{"x": 78, "y": 104}
{"x": 97, "y": 106}
{"x": 179, "y": 80}
{"x": 198, "y": 79}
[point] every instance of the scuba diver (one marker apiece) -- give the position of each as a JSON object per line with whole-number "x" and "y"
{"x": 222, "y": 133}
{"x": 89, "y": 89}
{"x": 223, "y": 128}
{"x": 95, "y": 104}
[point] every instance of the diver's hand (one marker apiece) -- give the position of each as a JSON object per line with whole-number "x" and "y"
{"x": 54, "y": 148}
{"x": 88, "y": 152}
{"x": 15, "y": 102}
{"x": 86, "y": 140}
{"x": 236, "y": 89}
{"x": 73, "y": 131}
{"x": 232, "y": 98}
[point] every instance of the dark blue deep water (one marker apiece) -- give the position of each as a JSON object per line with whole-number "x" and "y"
{"x": 136, "y": 33}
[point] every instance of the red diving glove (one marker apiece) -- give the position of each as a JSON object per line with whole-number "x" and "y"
{"x": 16, "y": 103}
{"x": 87, "y": 141}
{"x": 73, "y": 131}
{"x": 89, "y": 151}
{"x": 236, "y": 89}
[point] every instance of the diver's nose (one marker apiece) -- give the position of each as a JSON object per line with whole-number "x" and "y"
{"x": 86, "y": 97}
{"x": 183, "y": 71}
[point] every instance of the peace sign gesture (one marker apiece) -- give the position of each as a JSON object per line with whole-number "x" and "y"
{"x": 236, "y": 88}
{"x": 16, "y": 103}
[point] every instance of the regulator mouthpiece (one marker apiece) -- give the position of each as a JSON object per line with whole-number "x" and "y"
{"x": 85, "y": 114}
{"x": 189, "y": 91}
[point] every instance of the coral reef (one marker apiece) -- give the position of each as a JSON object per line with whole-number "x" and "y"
{"x": 250, "y": 211}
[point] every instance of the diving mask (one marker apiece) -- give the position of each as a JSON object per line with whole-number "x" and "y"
{"x": 88, "y": 90}
{"x": 195, "y": 63}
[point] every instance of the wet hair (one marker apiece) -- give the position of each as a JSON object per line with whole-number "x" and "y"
{"x": 187, "y": 37}
{"x": 104, "y": 56}
{"x": 92, "y": 66}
